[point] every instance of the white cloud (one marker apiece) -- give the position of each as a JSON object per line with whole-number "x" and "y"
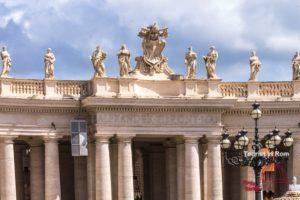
{"x": 283, "y": 43}
{"x": 243, "y": 44}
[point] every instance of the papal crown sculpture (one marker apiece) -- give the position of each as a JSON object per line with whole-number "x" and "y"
{"x": 152, "y": 64}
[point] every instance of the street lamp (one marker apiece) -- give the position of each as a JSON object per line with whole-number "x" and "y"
{"x": 257, "y": 159}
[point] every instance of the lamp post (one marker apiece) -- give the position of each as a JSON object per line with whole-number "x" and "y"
{"x": 256, "y": 159}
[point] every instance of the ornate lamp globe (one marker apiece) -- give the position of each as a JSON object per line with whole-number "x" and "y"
{"x": 237, "y": 146}
{"x": 243, "y": 140}
{"x": 288, "y": 140}
{"x": 256, "y": 112}
{"x": 269, "y": 144}
{"x": 276, "y": 139}
{"x": 225, "y": 142}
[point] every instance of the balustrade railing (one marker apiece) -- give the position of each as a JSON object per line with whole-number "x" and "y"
{"x": 72, "y": 88}
{"x": 233, "y": 89}
{"x": 28, "y": 87}
{"x": 281, "y": 89}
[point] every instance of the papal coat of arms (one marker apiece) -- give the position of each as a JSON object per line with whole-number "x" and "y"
{"x": 153, "y": 44}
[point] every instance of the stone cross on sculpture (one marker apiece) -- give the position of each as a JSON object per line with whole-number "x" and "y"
{"x": 153, "y": 62}
{"x": 6, "y": 63}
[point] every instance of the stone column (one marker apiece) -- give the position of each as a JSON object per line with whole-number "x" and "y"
{"x": 125, "y": 169}
{"x": 203, "y": 170}
{"x": 91, "y": 171}
{"x": 215, "y": 183}
{"x": 180, "y": 153}
{"x": 37, "y": 172}
{"x": 103, "y": 173}
{"x": 192, "y": 169}
{"x": 171, "y": 176}
{"x": 8, "y": 184}
{"x": 19, "y": 170}
{"x": 52, "y": 174}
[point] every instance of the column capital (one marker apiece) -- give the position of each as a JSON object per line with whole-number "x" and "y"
{"x": 191, "y": 139}
{"x": 103, "y": 138}
{"x": 170, "y": 143}
{"x": 7, "y": 139}
{"x": 51, "y": 138}
{"x": 213, "y": 139}
{"x": 125, "y": 138}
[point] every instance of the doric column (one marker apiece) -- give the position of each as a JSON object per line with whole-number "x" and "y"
{"x": 192, "y": 169}
{"x": 294, "y": 159}
{"x": 37, "y": 172}
{"x": 125, "y": 169}
{"x": 180, "y": 168}
{"x": 8, "y": 183}
{"x": 203, "y": 170}
{"x": 19, "y": 172}
{"x": 91, "y": 171}
{"x": 103, "y": 173}
{"x": 52, "y": 174}
{"x": 171, "y": 173}
{"x": 215, "y": 186}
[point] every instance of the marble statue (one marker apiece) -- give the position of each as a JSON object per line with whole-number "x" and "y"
{"x": 153, "y": 44}
{"x": 124, "y": 61}
{"x": 191, "y": 63}
{"x": 6, "y": 63}
{"x": 296, "y": 66}
{"x": 255, "y": 65}
{"x": 49, "y": 60}
{"x": 211, "y": 62}
{"x": 97, "y": 59}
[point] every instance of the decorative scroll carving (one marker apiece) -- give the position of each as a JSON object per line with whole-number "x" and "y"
{"x": 282, "y": 89}
{"x": 49, "y": 60}
{"x": 6, "y": 62}
{"x": 191, "y": 64}
{"x": 152, "y": 60}
{"x": 255, "y": 65}
{"x": 97, "y": 59}
{"x": 235, "y": 89}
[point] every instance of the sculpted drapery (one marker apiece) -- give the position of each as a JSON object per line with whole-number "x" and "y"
{"x": 191, "y": 63}
{"x": 124, "y": 61}
{"x": 211, "y": 62}
{"x": 296, "y": 66}
{"x": 6, "y": 62}
{"x": 255, "y": 65}
{"x": 49, "y": 60}
{"x": 97, "y": 59}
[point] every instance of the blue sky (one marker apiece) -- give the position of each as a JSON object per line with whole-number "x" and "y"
{"x": 73, "y": 28}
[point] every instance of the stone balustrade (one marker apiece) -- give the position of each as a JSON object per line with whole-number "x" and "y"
{"x": 132, "y": 87}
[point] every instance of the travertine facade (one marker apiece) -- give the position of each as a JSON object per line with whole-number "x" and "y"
{"x": 151, "y": 133}
{"x": 133, "y": 114}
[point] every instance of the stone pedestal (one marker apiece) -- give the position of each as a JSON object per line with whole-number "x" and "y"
{"x": 125, "y": 169}
{"x": 8, "y": 179}
{"x": 213, "y": 88}
{"x": 126, "y": 87}
{"x": 192, "y": 169}
{"x": 52, "y": 173}
{"x": 50, "y": 86}
{"x": 215, "y": 186}
{"x": 171, "y": 173}
{"x": 253, "y": 90}
{"x": 37, "y": 170}
{"x": 91, "y": 171}
{"x": 103, "y": 173}
{"x": 296, "y": 87}
{"x": 180, "y": 168}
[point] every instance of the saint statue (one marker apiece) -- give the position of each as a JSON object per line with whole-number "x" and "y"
{"x": 211, "y": 62}
{"x": 6, "y": 63}
{"x": 255, "y": 65}
{"x": 153, "y": 44}
{"x": 97, "y": 59}
{"x": 191, "y": 63}
{"x": 49, "y": 60}
{"x": 296, "y": 66}
{"x": 124, "y": 61}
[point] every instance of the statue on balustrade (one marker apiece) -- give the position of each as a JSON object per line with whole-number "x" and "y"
{"x": 211, "y": 62}
{"x": 49, "y": 60}
{"x": 191, "y": 63}
{"x": 97, "y": 59}
{"x": 6, "y": 63}
{"x": 124, "y": 61}
{"x": 296, "y": 66}
{"x": 153, "y": 44}
{"x": 255, "y": 65}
